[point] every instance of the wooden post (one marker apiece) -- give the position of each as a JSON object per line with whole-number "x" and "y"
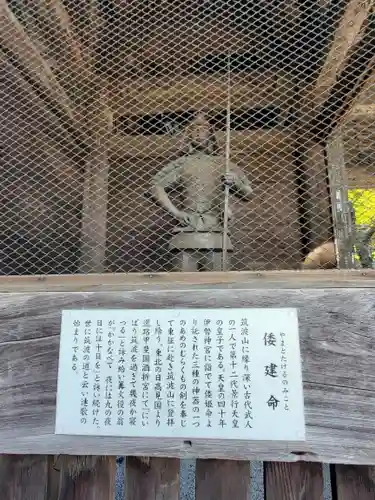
{"x": 95, "y": 193}
{"x": 23, "y": 477}
{"x": 293, "y": 481}
{"x": 353, "y": 482}
{"x": 222, "y": 480}
{"x": 339, "y": 198}
{"x": 53, "y": 479}
{"x": 156, "y": 478}
{"x": 87, "y": 478}
{"x": 315, "y": 199}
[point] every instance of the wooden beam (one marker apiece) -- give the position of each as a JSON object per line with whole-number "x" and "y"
{"x": 16, "y": 41}
{"x": 336, "y": 330}
{"x": 363, "y": 111}
{"x": 144, "y": 146}
{"x": 59, "y": 18}
{"x": 348, "y": 33}
{"x": 95, "y": 190}
{"x": 208, "y": 92}
{"x": 355, "y": 74}
{"x": 360, "y": 178}
{"x": 237, "y": 280}
{"x": 59, "y": 132}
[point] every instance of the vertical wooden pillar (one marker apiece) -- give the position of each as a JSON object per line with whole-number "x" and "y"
{"x": 341, "y": 213}
{"x": 95, "y": 193}
{"x": 23, "y": 477}
{"x": 353, "y": 482}
{"x": 293, "y": 481}
{"x": 87, "y": 478}
{"x": 315, "y": 199}
{"x": 311, "y": 172}
{"x": 222, "y": 480}
{"x": 153, "y": 478}
{"x": 53, "y": 479}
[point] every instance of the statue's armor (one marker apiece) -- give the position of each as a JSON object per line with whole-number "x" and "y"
{"x": 200, "y": 174}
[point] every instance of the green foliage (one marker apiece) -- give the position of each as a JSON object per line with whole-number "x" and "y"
{"x": 364, "y": 205}
{"x": 363, "y": 201}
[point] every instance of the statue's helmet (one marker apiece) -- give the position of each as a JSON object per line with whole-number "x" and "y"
{"x": 200, "y": 133}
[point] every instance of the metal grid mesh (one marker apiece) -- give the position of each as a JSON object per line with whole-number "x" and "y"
{"x": 99, "y": 101}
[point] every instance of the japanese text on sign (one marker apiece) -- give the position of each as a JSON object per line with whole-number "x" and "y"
{"x": 189, "y": 373}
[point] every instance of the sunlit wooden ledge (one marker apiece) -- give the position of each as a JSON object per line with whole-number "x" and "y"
{"x": 235, "y": 279}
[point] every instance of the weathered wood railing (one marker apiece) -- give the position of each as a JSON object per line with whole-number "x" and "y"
{"x": 337, "y": 330}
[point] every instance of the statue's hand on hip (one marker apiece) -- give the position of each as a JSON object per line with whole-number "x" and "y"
{"x": 229, "y": 179}
{"x": 188, "y": 219}
{"x": 198, "y": 222}
{"x": 183, "y": 217}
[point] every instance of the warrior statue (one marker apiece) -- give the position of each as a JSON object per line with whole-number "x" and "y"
{"x": 198, "y": 240}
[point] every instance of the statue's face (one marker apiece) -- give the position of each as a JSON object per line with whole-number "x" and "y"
{"x": 200, "y": 136}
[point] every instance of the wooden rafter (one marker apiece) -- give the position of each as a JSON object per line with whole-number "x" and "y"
{"x": 58, "y": 62}
{"x": 151, "y": 146}
{"x": 16, "y": 42}
{"x": 67, "y": 140}
{"x": 140, "y": 96}
{"x": 349, "y": 32}
{"x": 356, "y": 70}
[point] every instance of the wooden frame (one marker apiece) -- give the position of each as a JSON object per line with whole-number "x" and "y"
{"x": 336, "y": 320}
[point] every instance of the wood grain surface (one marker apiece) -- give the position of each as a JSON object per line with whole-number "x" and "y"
{"x": 337, "y": 346}
{"x": 23, "y": 477}
{"x": 147, "y": 281}
{"x": 354, "y": 482}
{"x": 293, "y": 481}
{"x": 87, "y": 478}
{"x": 222, "y": 480}
{"x": 158, "y": 479}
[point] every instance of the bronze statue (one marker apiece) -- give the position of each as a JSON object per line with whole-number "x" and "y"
{"x": 198, "y": 241}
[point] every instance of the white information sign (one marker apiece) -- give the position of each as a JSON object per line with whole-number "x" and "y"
{"x": 183, "y": 373}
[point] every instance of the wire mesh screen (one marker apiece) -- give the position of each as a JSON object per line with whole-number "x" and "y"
{"x": 195, "y": 135}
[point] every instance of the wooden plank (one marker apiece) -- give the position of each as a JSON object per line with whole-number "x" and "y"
{"x": 144, "y": 146}
{"x": 154, "y": 478}
{"x": 222, "y": 480}
{"x": 53, "y": 479}
{"x": 353, "y": 482}
{"x": 87, "y": 478}
{"x": 140, "y": 97}
{"x": 293, "y": 481}
{"x": 337, "y": 327}
{"x": 148, "y": 281}
{"x": 23, "y": 477}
